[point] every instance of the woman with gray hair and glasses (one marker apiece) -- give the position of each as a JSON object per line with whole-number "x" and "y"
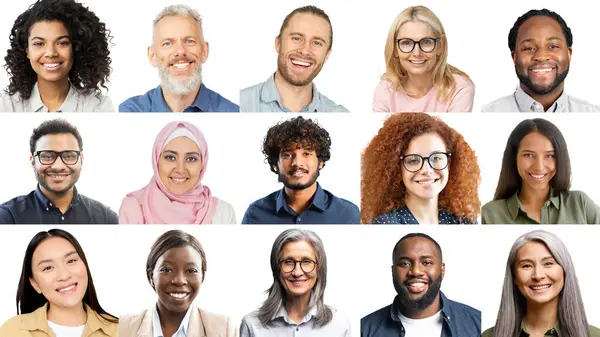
{"x": 540, "y": 295}
{"x": 295, "y": 299}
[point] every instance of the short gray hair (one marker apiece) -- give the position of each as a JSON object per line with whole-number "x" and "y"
{"x": 276, "y": 294}
{"x": 571, "y": 313}
{"x": 180, "y": 10}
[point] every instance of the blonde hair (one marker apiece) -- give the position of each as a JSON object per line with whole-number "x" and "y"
{"x": 442, "y": 72}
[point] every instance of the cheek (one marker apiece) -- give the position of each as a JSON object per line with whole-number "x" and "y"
{"x": 164, "y": 168}
{"x": 195, "y": 172}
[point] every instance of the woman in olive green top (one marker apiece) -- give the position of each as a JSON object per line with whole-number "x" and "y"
{"x": 540, "y": 295}
{"x": 535, "y": 179}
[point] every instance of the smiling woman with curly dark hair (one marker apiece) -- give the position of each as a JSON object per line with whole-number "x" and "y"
{"x": 58, "y": 60}
{"x": 417, "y": 169}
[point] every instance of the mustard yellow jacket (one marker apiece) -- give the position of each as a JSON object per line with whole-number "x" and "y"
{"x": 35, "y": 324}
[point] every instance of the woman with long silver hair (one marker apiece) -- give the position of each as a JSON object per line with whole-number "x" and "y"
{"x": 295, "y": 299}
{"x": 540, "y": 295}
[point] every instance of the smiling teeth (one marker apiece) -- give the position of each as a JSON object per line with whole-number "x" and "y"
{"x": 538, "y": 176}
{"x": 426, "y": 182}
{"x": 543, "y": 70}
{"x": 301, "y": 63}
{"x": 51, "y": 65}
{"x": 181, "y": 65}
{"x": 66, "y": 289}
{"x": 179, "y": 180}
{"x": 178, "y": 295}
{"x": 418, "y": 62}
{"x": 541, "y": 287}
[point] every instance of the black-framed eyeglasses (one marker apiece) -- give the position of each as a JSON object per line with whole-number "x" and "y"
{"x": 48, "y": 157}
{"x": 437, "y": 160}
{"x": 427, "y": 44}
{"x": 289, "y": 265}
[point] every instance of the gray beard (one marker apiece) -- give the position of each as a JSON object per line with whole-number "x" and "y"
{"x": 180, "y": 87}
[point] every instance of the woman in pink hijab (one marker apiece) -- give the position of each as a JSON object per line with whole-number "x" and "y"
{"x": 175, "y": 194}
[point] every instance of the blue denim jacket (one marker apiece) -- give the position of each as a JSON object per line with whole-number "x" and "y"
{"x": 459, "y": 320}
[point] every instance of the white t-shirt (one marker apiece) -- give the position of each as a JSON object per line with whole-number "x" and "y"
{"x": 425, "y": 327}
{"x": 66, "y": 331}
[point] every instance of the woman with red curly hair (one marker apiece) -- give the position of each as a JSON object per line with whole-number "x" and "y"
{"x": 418, "y": 170}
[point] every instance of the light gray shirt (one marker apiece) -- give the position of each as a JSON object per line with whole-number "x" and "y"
{"x": 520, "y": 101}
{"x": 75, "y": 102}
{"x": 284, "y": 326}
{"x": 264, "y": 97}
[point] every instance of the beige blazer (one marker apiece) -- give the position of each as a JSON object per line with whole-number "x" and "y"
{"x": 202, "y": 324}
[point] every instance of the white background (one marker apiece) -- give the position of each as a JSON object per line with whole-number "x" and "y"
{"x": 117, "y": 152}
{"x": 359, "y": 260}
{"x": 242, "y": 53}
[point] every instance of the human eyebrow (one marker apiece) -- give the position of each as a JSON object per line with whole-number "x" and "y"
{"x": 50, "y": 260}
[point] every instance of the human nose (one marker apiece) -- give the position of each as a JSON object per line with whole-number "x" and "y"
{"x": 180, "y": 165}
{"x": 417, "y": 49}
{"x": 541, "y": 54}
{"x": 58, "y": 163}
{"x": 297, "y": 269}
{"x": 50, "y": 50}
{"x": 538, "y": 163}
{"x": 416, "y": 270}
{"x": 426, "y": 168}
{"x": 179, "y": 278}
{"x": 62, "y": 273}
{"x": 179, "y": 49}
{"x": 538, "y": 273}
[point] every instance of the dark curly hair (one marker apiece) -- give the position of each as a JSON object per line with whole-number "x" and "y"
{"x": 89, "y": 36}
{"x": 514, "y": 31}
{"x": 381, "y": 186}
{"x": 303, "y": 132}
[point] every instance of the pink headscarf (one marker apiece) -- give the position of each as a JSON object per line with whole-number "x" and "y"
{"x": 158, "y": 204}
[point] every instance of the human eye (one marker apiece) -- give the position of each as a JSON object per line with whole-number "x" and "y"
{"x": 38, "y": 43}
{"x": 170, "y": 157}
{"x": 47, "y": 268}
{"x": 164, "y": 270}
{"x": 64, "y": 42}
{"x": 72, "y": 260}
{"x": 286, "y": 155}
{"x": 406, "y": 42}
{"x": 192, "y": 271}
{"x": 427, "y": 42}
{"x": 295, "y": 38}
{"x": 166, "y": 44}
{"x": 318, "y": 43}
{"x": 403, "y": 264}
{"x": 192, "y": 159}
{"x": 289, "y": 262}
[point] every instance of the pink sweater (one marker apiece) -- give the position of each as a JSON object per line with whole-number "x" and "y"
{"x": 386, "y": 99}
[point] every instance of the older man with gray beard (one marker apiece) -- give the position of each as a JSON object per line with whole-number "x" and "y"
{"x": 178, "y": 50}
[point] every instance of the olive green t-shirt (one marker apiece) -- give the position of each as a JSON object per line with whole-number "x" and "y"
{"x": 568, "y": 207}
{"x": 554, "y": 332}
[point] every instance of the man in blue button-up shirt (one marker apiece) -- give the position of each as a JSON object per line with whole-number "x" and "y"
{"x": 296, "y": 151}
{"x": 178, "y": 51}
{"x": 420, "y": 309}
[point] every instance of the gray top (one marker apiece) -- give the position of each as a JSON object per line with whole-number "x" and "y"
{"x": 75, "y": 102}
{"x": 264, "y": 97}
{"x": 520, "y": 101}
{"x": 283, "y": 326}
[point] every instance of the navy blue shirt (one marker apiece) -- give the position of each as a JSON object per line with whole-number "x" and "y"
{"x": 153, "y": 101}
{"x": 403, "y": 216}
{"x": 459, "y": 320}
{"x": 325, "y": 208}
{"x": 36, "y": 208}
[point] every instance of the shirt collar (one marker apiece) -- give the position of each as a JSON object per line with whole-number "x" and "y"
{"x": 527, "y": 104}
{"x": 183, "y": 327}
{"x": 514, "y": 204}
{"x": 48, "y": 203}
{"x": 552, "y": 332}
{"x": 270, "y": 94}
{"x": 282, "y": 313}
{"x": 318, "y": 200}
{"x": 395, "y": 308}
{"x": 202, "y": 102}
{"x": 38, "y": 320}
{"x": 69, "y": 105}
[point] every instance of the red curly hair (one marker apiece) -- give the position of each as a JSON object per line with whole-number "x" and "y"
{"x": 382, "y": 188}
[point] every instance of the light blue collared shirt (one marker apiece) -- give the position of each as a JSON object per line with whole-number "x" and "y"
{"x": 284, "y": 326}
{"x": 182, "y": 331}
{"x": 264, "y": 97}
{"x": 520, "y": 101}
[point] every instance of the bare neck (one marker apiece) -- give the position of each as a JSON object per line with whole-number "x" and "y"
{"x": 541, "y": 317}
{"x": 169, "y": 320}
{"x": 534, "y": 198}
{"x": 53, "y": 94}
{"x": 74, "y": 316}
{"x": 417, "y": 86}
{"x": 297, "y": 307}
{"x": 424, "y": 210}
{"x": 178, "y": 103}
{"x": 299, "y": 200}
{"x": 293, "y": 97}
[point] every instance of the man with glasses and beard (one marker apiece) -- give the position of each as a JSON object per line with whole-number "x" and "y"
{"x": 296, "y": 150}
{"x": 56, "y": 157}
{"x": 540, "y": 44}
{"x": 420, "y": 309}
{"x": 303, "y": 46}
{"x": 178, "y": 50}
